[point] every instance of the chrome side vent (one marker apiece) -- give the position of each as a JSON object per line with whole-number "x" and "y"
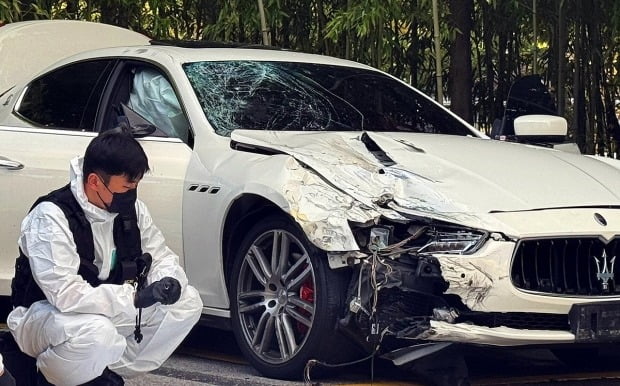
{"x": 204, "y": 188}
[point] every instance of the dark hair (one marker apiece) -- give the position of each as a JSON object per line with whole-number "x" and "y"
{"x": 115, "y": 152}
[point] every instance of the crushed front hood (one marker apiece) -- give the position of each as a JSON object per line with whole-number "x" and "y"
{"x": 443, "y": 176}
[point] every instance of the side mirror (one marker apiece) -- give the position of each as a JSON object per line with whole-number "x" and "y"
{"x": 139, "y": 126}
{"x": 540, "y": 128}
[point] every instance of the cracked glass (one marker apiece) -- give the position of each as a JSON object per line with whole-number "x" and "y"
{"x": 285, "y": 96}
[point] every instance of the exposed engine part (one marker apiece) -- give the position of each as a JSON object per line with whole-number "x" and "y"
{"x": 397, "y": 287}
{"x": 445, "y": 314}
{"x": 388, "y": 295}
{"x": 437, "y": 364}
{"x": 339, "y": 260}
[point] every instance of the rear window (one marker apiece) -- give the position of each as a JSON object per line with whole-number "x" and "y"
{"x": 67, "y": 98}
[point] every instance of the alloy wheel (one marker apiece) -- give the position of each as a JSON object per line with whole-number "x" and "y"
{"x": 275, "y": 296}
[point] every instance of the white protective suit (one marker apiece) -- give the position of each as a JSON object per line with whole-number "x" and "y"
{"x": 82, "y": 329}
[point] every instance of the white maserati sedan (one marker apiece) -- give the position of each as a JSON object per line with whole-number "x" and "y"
{"x": 319, "y": 205}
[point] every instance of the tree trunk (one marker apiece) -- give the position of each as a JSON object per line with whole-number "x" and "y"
{"x": 562, "y": 46}
{"x": 502, "y": 75}
{"x": 321, "y": 21}
{"x": 613, "y": 126}
{"x": 283, "y": 34}
{"x": 72, "y": 9}
{"x": 378, "y": 45}
{"x": 108, "y": 12}
{"x": 487, "y": 39}
{"x": 611, "y": 90}
{"x": 414, "y": 49}
{"x": 579, "y": 116}
{"x": 348, "y": 39}
{"x": 596, "y": 100}
{"x": 460, "y": 73}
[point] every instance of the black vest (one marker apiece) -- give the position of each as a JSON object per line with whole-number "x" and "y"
{"x": 24, "y": 289}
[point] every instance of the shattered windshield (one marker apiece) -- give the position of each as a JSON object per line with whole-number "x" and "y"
{"x": 289, "y": 96}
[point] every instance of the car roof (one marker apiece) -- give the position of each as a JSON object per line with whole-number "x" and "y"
{"x": 31, "y": 46}
{"x": 180, "y": 55}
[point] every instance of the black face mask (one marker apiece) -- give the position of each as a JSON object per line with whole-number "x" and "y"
{"x": 121, "y": 202}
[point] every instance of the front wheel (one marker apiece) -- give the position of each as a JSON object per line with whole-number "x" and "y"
{"x": 285, "y": 300}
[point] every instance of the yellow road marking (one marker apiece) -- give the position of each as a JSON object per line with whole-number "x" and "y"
{"x": 546, "y": 378}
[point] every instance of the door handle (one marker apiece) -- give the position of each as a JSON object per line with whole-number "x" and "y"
{"x": 10, "y": 164}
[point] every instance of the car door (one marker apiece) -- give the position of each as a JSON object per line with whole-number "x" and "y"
{"x": 56, "y": 114}
{"x": 142, "y": 93}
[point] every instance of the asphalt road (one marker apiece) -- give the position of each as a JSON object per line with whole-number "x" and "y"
{"x": 211, "y": 357}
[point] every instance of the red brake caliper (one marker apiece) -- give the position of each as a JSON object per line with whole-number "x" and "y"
{"x": 306, "y": 292}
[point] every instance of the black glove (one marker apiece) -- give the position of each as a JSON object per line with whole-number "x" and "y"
{"x": 165, "y": 291}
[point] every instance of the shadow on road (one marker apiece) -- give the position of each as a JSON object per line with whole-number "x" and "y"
{"x": 487, "y": 366}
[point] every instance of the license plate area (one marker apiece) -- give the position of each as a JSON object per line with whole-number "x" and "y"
{"x": 595, "y": 322}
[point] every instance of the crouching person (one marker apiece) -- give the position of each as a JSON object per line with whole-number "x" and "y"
{"x": 97, "y": 294}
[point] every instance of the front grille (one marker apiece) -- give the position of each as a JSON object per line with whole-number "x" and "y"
{"x": 567, "y": 266}
{"x": 520, "y": 320}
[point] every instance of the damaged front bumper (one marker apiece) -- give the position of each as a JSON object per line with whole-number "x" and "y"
{"x": 494, "y": 336}
{"x": 421, "y": 298}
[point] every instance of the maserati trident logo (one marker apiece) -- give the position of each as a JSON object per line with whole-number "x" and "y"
{"x": 605, "y": 273}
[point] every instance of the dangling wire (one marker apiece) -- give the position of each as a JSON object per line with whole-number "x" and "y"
{"x": 371, "y": 315}
{"x": 313, "y": 362}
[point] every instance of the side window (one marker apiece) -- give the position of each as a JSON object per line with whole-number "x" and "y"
{"x": 153, "y": 98}
{"x": 67, "y": 98}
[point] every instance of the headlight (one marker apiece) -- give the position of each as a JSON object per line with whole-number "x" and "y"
{"x": 393, "y": 238}
{"x": 452, "y": 241}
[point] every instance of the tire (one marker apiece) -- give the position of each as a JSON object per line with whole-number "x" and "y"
{"x": 282, "y": 318}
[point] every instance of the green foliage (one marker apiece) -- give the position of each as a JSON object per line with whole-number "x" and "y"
{"x": 10, "y": 10}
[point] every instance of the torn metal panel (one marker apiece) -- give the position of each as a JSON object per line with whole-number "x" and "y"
{"x": 433, "y": 175}
{"x": 425, "y": 187}
{"x": 496, "y": 176}
{"x": 391, "y": 190}
{"x": 482, "y": 280}
{"x": 405, "y": 355}
{"x": 322, "y": 212}
{"x": 359, "y": 173}
{"x": 495, "y": 336}
{"x": 471, "y": 280}
{"x": 343, "y": 259}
